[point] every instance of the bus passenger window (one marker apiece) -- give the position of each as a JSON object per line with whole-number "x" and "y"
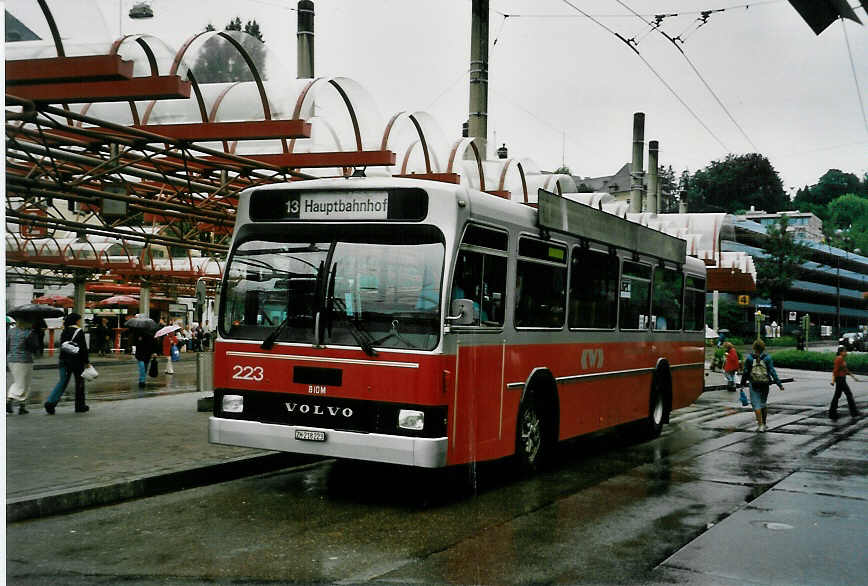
{"x": 635, "y": 296}
{"x": 667, "y": 298}
{"x": 593, "y": 289}
{"x": 541, "y": 284}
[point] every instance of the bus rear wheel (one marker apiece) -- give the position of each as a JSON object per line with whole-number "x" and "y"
{"x": 530, "y": 444}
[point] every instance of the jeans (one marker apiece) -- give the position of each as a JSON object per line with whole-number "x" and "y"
{"x": 143, "y": 372}
{"x": 57, "y": 392}
{"x": 841, "y": 386}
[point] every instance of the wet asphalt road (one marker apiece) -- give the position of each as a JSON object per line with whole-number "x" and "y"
{"x": 610, "y": 510}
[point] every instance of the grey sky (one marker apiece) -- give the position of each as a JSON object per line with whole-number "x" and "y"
{"x": 554, "y": 72}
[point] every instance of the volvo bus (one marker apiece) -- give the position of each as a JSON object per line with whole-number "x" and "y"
{"x": 426, "y": 324}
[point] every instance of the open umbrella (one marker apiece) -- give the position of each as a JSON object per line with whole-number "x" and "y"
{"x": 34, "y": 310}
{"x": 140, "y": 322}
{"x": 55, "y": 300}
{"x": 166, "y": 330}
{"x": 119, "y": 301}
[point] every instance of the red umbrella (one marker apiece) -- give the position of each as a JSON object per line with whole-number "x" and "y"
{"x": 119, "y": 301}
{"x": 55, "y": 300}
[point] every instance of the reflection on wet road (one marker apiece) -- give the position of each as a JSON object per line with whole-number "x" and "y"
{"x": 688, "y": 507}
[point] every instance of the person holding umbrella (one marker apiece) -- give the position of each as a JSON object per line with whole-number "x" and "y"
{"x": 20, "y": 346}
{"x": 73, "y": 360}
{"x": 22, "y": 343}
{"x": 169, "y": 344}
{"x": 142, "y": 337}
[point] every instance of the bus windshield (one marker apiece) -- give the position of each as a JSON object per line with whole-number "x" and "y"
{"x": 351, "y": 292}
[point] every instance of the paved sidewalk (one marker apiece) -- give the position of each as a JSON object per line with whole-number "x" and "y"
{"x": 122, "y": 448}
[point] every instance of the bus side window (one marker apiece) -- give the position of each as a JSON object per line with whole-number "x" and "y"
{"x": 667, "y": 298}
{"x": 635, "y": 296}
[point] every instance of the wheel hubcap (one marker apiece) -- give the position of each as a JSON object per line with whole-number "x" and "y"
{"x": 657, "y": 412}
{"x": 531, "y": 436}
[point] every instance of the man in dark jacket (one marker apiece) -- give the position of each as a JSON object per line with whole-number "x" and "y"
{"x": 144, "y": 351}
{"x": 73, "y": 360}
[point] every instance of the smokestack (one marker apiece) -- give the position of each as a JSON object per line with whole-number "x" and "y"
{"x": 651, "y": 203}
{"x": 478, "y": 127}
{"x": 636, "y": 171}
{"x": 304, "y": 38}
{"x": 682, "y": 202}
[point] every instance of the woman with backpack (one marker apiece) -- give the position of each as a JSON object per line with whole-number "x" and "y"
{"x": 760, "y": 372}
{"x": 73, "y": 360}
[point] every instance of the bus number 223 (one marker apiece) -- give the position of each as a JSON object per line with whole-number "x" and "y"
{"x": 248, "y": 372}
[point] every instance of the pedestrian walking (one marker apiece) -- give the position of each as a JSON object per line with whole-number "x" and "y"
{"x": 731, "y": 366}
{"x": 21, "y": 343}
{"x": 170, "y": 342}
{"x": 144, "y": 342}
{"x": 760, "y": 371}
{"x": 839, "y": 379}
{"x": 73, "y": 360}
{"x": 100, "y": 338}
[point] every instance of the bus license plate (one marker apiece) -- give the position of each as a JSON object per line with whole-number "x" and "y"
{"x": 310, "y": 436}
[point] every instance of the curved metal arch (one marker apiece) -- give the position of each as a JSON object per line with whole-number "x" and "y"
{"x": 457, "y": 153}
{"x": 302, "y": 96}
{"x": 52, "y": 25}
{"x": 520, "y": 173}
{"x": 152, "y": 64}
{"x": 254, "y": 71}
{"x": 385, "y": 142}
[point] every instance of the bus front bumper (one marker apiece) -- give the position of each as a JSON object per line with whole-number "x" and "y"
{"x": 391, "y": 449}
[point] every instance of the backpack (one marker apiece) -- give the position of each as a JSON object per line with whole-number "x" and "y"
{"x": 760, "y": 372}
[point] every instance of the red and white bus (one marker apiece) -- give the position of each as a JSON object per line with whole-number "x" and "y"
{"x": 426, "y": 324}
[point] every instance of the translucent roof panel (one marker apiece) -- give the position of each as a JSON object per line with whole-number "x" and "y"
{"x": 81, "y": 25}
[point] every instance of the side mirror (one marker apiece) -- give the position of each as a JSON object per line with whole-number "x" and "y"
{"x": 462, "y": 311}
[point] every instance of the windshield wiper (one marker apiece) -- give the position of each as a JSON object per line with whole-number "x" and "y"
{"x": 361, "y": 336}
{"x": 268, "y": 343}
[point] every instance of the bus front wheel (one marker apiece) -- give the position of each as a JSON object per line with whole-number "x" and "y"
{"x": 656, "y": 412}
{"x": 530, "y": 445}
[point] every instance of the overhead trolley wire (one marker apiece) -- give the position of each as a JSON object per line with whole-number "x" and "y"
{"x": 705, "y": 15}
{"x": 654, "y": 71}
{"x": 621, "y": 15}
{"x": 855, "y": 77}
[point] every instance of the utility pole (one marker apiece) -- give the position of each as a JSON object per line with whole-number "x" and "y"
{"x": 478, "y": 119}
{"x": 304, "y": 40}
{"x": 636, "y": 172}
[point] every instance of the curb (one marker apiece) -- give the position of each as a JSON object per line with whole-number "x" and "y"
{"x": 56, "y": 502}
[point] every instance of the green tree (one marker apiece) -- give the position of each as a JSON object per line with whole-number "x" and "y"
{"x": 737, "y": 182}
{"x": 563, "y": 170}
{"x": 776, "y": 272}
{"x": 849, "y": 213}
{"x": 833, "y": 184}
{"x": 668, "y": 189}
{"x": 219, "y": 61}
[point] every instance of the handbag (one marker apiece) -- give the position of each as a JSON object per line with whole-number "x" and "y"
{"x": 69, "y": 347}
{"x": 175, "y": 353}
{"x": 742, "y": 397}
{"x": 154, "y": 369}
{"x": 89, "y": 373}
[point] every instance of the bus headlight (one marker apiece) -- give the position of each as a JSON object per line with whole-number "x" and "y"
{"x": 410, "y": 419}
{"x": 233, "y": 403}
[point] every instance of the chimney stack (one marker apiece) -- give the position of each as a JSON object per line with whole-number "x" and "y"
{"x": 651, "y": 203}
{"x": 636, "y": 171}
{"x": 478, "y": 121}
{"x": 304, "y": 40}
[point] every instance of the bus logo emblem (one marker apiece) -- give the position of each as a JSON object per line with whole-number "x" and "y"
{"x": 306, "y": 409}
{"x": 592, "y": 358}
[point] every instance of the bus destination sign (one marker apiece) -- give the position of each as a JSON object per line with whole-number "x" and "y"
{"x": 338, "y": 206}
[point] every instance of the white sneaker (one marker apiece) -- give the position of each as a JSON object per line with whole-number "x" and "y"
{"x": 762, "y": 429}
{"x": 759, "y": 427}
